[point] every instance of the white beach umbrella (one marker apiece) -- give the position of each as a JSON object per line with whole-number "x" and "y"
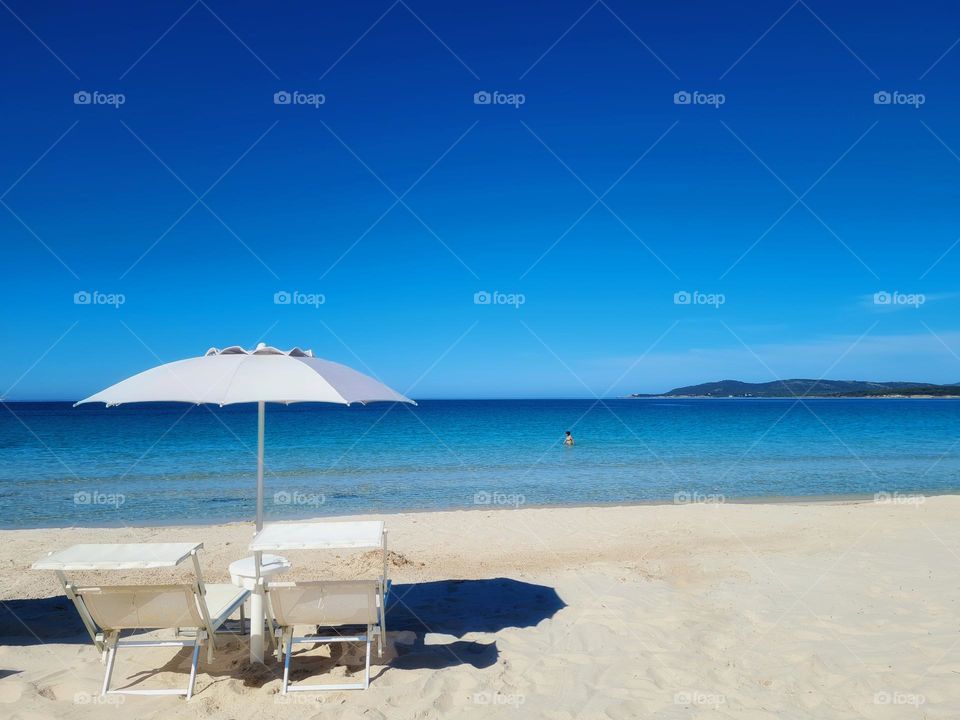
{"x": 234, "y": 375}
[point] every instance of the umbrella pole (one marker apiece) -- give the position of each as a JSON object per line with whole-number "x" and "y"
{"x": 260, "y": 424}
{"x": 256, "y": 597}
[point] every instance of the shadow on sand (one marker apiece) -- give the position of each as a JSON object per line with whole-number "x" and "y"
{"x": 457, "y": 607}
{"x": 40, "y": 620}
{"x": 445, "y": 610}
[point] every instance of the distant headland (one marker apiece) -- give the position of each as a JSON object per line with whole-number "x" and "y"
{"x": 802, "y": 388}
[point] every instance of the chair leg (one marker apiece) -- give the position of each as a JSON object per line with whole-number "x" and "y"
{"x": 279, "y": 642}
{"x": 366, "y": 673}
{"x": 113, "y": 646}
{"x": 290, "y": 640}
{"x": 111, "y": 658}
{"x": 193, "y": 668}
{"x": 381, "y": 625}
{"x": 286, "y": 660}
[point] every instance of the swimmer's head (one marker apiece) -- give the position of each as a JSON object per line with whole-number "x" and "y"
{"x": 568, "y": 432}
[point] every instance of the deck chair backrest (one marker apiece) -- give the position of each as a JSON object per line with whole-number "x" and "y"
{"x": 123, "y": 607}
{"x": 328, "y": 603}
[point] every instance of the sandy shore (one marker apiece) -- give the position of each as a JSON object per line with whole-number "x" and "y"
{"x": 821, "y": 610}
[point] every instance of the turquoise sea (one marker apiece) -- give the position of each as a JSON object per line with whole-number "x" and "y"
{"x": 169, "y": 463}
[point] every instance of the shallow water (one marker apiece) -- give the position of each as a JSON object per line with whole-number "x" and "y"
{"x": 167, "y": 463}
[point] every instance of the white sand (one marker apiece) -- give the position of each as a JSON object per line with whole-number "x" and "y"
{"x": 820, "y": 610}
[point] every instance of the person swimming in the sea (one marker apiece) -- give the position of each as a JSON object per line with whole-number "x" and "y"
{"x": 568, "y": 441}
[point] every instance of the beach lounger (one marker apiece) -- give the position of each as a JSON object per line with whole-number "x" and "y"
{"x": 341, "y": 610}
{"x": 194, "y": 611}
{"x": 336, "y": 604}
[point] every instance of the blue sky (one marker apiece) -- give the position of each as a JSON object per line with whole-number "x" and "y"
{"x": 781, "y": 211}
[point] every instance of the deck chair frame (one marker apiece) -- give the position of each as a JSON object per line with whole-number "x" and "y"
{"x": 109, "y": 642}
{"x": 286, "y": 639}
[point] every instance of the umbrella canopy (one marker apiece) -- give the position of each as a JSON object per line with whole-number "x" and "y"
{"x": 234, "y": 375}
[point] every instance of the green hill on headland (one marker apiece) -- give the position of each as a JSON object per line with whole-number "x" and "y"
{"x": 810, "y": 388}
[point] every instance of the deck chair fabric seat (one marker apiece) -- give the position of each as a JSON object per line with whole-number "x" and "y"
{"x": 134, "y": 607}
{"x": 147, "y": 607}
{"x": 327, "y": 603}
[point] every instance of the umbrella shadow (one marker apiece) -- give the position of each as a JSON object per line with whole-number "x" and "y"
{"x": 454, "y": 608}
{"x": 425, "y": 622}
{"x": 37, "y": 621}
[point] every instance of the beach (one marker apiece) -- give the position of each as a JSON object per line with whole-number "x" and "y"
{"x": 764, "y": 610}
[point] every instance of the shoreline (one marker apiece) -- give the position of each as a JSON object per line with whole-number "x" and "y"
{"x": 775, "y": 500}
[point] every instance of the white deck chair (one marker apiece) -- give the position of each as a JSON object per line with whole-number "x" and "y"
{"x": 350, "y": 606}
{"x": 195, "y": 611}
